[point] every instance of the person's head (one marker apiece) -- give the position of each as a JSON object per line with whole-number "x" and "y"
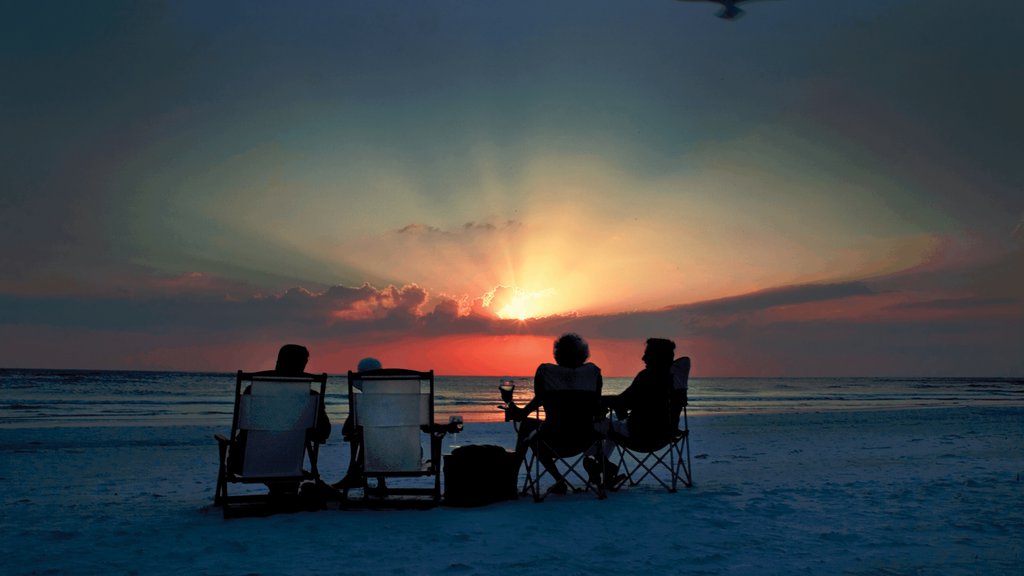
{"x": 292, "y": 359}
{"x": 571, "y": 350}
{"x": 659, "y": 353}
{"x": 367, "y": 364}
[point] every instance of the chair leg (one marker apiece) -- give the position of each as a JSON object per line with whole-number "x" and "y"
{"x": 684, "y": 446}
{"x": 649, "y": 469}
{"x": 647, "y": 463}
{"x": 531, "y": 477}
{"x": 540, "y": 470}
{"x": 623, "y": 467}
{"x": 221, "y": 491}
{"x": 602, "y": 460}
{"x": 571, "y": 473}
{"x": 673, "y": 461}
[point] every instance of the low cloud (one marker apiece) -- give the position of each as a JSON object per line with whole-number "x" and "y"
{"x": 421, "y": 230}
{"x": 336, "y": 311}
{"x": 780, "y": 296}
{"x": 715, "y": 318}
{"x": 849, "y": 327}
{"x": 406, "y": 310}
{"x": 372, "y": 304}
{"x": 958, "y": 305}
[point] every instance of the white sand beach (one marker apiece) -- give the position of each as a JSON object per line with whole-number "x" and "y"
{"x": 933, "y": 491}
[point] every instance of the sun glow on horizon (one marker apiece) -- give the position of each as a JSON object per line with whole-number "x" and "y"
{"x": 523, "y": 305}
{"x": 563, "y": 238}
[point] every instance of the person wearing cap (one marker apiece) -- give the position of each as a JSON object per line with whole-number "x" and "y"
{"x": 350, "y": 434}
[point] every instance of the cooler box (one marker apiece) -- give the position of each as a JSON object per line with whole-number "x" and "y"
{"x": 476, "y": 475}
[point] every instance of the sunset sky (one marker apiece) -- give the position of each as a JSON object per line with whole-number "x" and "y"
{"x": 817, "y": 188}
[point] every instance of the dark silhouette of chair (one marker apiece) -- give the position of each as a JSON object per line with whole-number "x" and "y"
{"x": 391, "y": 410}
{"x": 567, "y": 433}
{"x": 640, "y": 459}
{"x": 270, "y": 440}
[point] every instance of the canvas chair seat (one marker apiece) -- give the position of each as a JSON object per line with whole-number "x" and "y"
{"x": 270, "y": 441}
{"x": 640, "y": 444}
{"x": 653, "y": 457}
{"x": 392, "y": 413}
{"x": 276, "y": 418}
{"x": 568, "y": 431}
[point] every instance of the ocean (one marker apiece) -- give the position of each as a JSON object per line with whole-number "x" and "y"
{"x": 62, "y": 398}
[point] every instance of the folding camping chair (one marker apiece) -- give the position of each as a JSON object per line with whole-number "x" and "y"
{"x": 672, "y": 453}
{"x": 391, "y": 410}
{"x": 269, "y": 441}
{"x": 567, "y": 433}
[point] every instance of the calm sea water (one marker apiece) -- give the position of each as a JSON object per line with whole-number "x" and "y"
{"x": 51, "y": 398}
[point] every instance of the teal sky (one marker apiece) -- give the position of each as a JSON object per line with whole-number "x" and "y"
{"x": 171, "y": 170}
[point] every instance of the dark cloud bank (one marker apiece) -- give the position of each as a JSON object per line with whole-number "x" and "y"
{"x": 948, "y": 336}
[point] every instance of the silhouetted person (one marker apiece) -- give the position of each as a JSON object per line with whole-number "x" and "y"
{"x": 644, "y": 410}
{"x": 354, "y": 477}
{"x": 566, "y": 426}
{"x": 291, "y": 361}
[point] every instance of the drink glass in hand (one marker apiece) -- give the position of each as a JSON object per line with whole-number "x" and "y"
{"x": 506, "y": 388}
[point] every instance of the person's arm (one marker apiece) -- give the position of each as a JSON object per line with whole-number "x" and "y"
{"x": 600, "y": 409}
{"x": 518, "y": 414}
{"x": 538, "y": 393}
{"x": 323, "y": 424}
{"x": 626, "y": 399}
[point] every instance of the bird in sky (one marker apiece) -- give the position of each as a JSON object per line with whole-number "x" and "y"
{"x": 730, "y": 10}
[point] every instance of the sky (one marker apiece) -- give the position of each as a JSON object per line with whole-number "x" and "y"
{"x": 814, "y": 189}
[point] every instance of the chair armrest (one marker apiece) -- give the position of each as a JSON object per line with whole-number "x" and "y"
{"x": 221, "y": 439}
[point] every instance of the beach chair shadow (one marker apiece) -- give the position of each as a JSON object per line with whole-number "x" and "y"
{"x": 270, "y": 442}
{"x": 667, "y": 459}
{"x": 567, "y": 433}
{"x": 392, "y": 411}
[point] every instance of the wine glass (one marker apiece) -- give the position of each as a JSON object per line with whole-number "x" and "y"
{"x": 506, "y": 388}
{"x": 455, "y": 425}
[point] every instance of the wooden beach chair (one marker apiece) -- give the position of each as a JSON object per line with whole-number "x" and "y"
{"x": 270, "y": 441}
{"x": 567, "y": 433}
{"x": 392, "y": 414}
{"x": 666, "y": 460}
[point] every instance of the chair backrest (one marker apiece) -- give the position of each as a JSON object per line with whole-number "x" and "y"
{"x": 680, "y": 385}
{"x": 572, "y": 401}
{"x": 390, "y": 406}
{"x": 276, "y": 412}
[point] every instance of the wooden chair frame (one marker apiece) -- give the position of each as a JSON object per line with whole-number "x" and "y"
{"x": 263, "y": 503}
{"x": 407, "y": 496}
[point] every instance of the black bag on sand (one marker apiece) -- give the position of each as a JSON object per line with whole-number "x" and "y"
{"x": 476, "y": 475}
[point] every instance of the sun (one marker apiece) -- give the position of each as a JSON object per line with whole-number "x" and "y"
{"x": 519, "y": 304}
{"x": 517, "y": 309}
